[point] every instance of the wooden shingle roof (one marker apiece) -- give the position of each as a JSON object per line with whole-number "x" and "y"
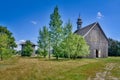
{"x": 85, "y": 30}
{"x": 23, "y": 43}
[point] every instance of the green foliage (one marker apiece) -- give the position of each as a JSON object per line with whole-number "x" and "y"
{"x": 114, "y": 47}
{"x": 56, "y": 31}
{"x": 7, "y": 53}
{"x": 61, "y": 39}
{"x": 11, "y": 40}
{"x": 67, "y": 29}
{"x": 7, "y": 43}
{"x": 38, "y": 51}
{"x": 3, "y": 44}
{"x": 28, "y": 49}
{"x": 18, "y": 52}
{"x": 74, "y": 46}
{"x": 43, "y": 41}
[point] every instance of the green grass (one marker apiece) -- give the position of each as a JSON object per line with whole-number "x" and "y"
{"x": 43, "y": 69}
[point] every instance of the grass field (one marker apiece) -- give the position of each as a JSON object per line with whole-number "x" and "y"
{"x": 42, "y": 69}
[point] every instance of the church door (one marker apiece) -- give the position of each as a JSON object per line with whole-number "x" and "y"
{"x": 97, "y": 53}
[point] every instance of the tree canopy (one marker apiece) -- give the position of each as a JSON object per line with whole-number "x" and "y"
{"x": 11, "y": 39}
{"x": 43, "y": 41}
{"x": 60, "y": 40}
{"x": 74, "y": 46}
{"x": 56, "y": 30}
{"x": 7, "y": 42}
{"x": 114, "y": 47}
{"x": 28, "y": 49}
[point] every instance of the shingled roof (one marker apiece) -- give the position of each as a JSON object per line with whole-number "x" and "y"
{"x": 85, "y": 30}
{"x": 23, "y": 43}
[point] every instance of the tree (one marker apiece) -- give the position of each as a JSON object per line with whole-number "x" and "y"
{"x": 18, "y": 52}
{"x": 7, "y": 43}
{"x": 67, "y": 29}
{"x": 74, "y": 46}
{"x": 56, "y": 31}
{"x": 38, "y": 51}
{"x": 28, "y": 49}
{"x": 11, "y": 40}
{"x": 61, "y": 39}
{"x": 113, "y": 47}
{"x": 43, "y": 41}
{"x": 3, "y": 44}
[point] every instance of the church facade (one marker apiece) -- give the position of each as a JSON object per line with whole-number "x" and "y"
{"x": 95, "y": 38}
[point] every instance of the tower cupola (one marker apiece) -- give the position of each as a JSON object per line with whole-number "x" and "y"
{"x": 79, "y": 23}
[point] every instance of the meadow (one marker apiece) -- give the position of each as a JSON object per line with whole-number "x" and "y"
{"x": 24, "y": 68}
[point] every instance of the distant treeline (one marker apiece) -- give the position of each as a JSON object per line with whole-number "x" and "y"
{"x": 114, "y": 47}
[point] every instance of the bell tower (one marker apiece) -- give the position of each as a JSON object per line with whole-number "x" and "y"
{"x": 79, "y": 23}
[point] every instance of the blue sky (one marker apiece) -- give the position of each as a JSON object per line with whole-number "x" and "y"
{"x": 24, "y": 18}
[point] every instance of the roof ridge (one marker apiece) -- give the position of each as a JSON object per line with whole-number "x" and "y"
{"x": 84, "y": 31}
{"x": 90, "y": 28}
{"x": 89, "y": 25}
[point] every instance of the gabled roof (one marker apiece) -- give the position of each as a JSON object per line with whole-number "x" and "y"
{"x": 23, "y": 43}
{"x": 85, "y": 30}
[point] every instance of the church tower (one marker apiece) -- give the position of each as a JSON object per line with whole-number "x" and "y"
{"x": 79, "y": 23}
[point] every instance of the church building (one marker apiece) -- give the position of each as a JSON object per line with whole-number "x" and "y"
{"x": 95, "y": 38}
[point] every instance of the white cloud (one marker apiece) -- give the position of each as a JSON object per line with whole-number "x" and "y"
{"x": 34, "y": 22}
{"x": 99, "y": 15}
{"x": 22, "y": 41}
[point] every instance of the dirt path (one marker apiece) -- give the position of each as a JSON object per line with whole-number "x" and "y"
{"x": 106, "y": 75}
